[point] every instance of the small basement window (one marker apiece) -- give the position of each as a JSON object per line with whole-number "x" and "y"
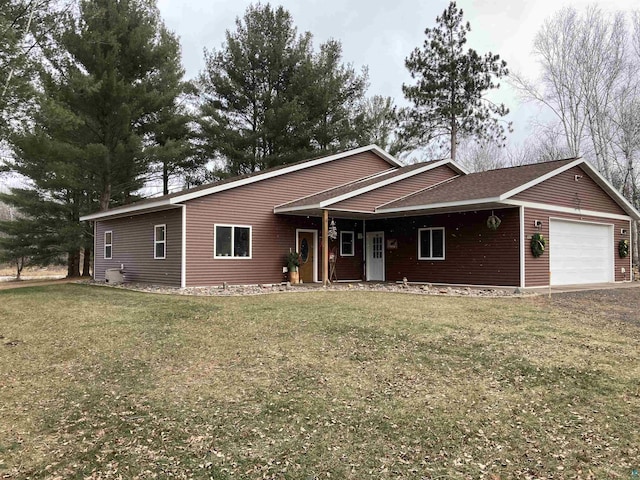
{"x": 160, "y": 242}
{"x": 232, "y": 241}
{"x": 346, "y": 244}
{"x": 108, "y": 245}
{"x": 431, "y": 243}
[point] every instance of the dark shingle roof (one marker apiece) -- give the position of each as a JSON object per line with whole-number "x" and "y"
{"x": 477, "y": 186}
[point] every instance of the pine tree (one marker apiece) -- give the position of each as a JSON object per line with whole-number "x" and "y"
{"x": 270, "y": 100}
{"x": 101, "y": 110}
{"x": 334, "y": 99}
{"x": 127, "y": 68}
{"x": 451, "y": 82}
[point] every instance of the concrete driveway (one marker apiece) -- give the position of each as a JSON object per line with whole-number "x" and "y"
{"x": 583, "y": 288}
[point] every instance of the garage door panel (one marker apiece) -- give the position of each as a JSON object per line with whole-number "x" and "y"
{"x": 580, "y": 252}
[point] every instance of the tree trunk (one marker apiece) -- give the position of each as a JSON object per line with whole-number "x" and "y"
{"x": 73, "y": 264}
{"x": 454, "y": 140}
{"x": 19, "y": 267}
{"x": 165, "y": 178}
{"x": 105, "y": 198}
{"x": 86, "y": 262}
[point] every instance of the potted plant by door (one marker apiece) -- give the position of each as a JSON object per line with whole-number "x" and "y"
{"x": 293, "y": 262}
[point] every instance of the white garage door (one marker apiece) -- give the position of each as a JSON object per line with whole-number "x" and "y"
{"x": 580, "y": 252}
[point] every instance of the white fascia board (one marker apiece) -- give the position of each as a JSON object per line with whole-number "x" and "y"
{"x": 125, "y": 210}
{"x": 363, "y": 179}
{"x": 374, "y": 186}
{"x": 378, "y": 151}
{"x": 541, "y": 179}
{"x": 557, "y": 208}
{"x": 432, "y": 206}
{"x": 283, "y": 171}
{"x": 295, "y": 209}
{"x": 457, "y": 166}
{"x": 418, "y": 191}
{"x": 389, "y": 181}
{"x": 593, "y": 173}
{"x": 611, "y": 190}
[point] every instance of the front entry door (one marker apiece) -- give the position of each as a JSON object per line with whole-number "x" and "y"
{"x": 375, "y": 256}
{"x": 307, "y": 250}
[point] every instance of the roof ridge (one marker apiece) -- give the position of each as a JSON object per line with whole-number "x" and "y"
{"x": 422, "y": 190}
{"x": 363, "y": 179}
{"x": 527, "y": 165}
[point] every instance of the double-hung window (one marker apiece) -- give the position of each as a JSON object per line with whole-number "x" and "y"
{"x": 108, "y": 245}
{"x": 346, "y": 244}
{"x": 431, "y": 243}
{"x": 232, "y": 241}
{"x": 160, "y": 242}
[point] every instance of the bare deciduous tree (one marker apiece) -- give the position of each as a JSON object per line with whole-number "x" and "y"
{"x": 558, "y": 87}
{"x": 590, "y": 61}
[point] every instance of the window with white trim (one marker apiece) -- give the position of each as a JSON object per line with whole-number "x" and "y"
{"x": 232, "y": 241}
{"x": 431, "y": 243}
{"x": 160, "y": 242}
{"x": 108, "y": 245}
{"x": 347, "y": 244}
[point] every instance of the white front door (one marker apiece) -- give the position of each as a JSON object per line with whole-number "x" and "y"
{"x": 580, "y": 252}
{"x": 375, "y": 256}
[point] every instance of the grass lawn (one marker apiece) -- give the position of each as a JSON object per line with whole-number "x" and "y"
{"x": 107, "y": 383}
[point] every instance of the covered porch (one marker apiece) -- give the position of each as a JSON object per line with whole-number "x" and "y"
{"x": 454, "y": 246}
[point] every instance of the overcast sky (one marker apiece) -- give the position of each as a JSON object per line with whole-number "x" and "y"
{"x": 380, "y": 34}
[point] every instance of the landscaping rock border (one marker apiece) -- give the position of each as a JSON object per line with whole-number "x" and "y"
{"x": 245, "y": 290}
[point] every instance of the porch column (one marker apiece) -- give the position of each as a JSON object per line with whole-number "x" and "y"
{"x": 325, "y": 247}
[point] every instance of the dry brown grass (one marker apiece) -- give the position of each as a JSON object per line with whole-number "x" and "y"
{"x": 103, "y": 383}
{"x": 33, "y": 272}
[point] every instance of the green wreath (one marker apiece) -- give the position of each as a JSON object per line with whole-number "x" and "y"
{"x": 538, "y": 244}
{"x": 623, "y": 248}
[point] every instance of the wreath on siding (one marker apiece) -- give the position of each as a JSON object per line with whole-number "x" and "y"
{"x": 493, "y": 222}
{"x": 538, "y": 244}
{"x": 623, "y": 248}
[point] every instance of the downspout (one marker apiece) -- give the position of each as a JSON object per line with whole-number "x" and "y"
{"x": 95, "y": 251}
{"x": 522, "y": 248}
{"x": 183, "y": 253}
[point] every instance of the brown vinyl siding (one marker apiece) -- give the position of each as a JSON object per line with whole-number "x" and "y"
{"x": 564, "y": 191}
{"x": 349, "y": 267}
{"x": 474, "y": 254}
{"x": 272, "y": 235}
{"x": 367, "y": 202}
{"x": 133, "y": 246}
{"x": 537, "y": 269}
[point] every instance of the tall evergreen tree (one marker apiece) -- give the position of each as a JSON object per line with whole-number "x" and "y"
{"x": 103, "y": 96}
{"x": 378, "y": 124}
{"x": 448, "y": 95}
{"x": 127, "y": 68}
{"x": 334, "y": 99}
{"x": 268, "y": 99}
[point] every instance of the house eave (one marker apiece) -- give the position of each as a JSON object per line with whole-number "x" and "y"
{"x": 131, "y": 210}
{"x": 464, "y": 204}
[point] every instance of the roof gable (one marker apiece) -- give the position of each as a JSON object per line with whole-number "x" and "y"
{"x": 491, "y": 184}
{"x": 500, "y": 185}
{"x": 359, "y": 187}
{"x": 167, "y": 201}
